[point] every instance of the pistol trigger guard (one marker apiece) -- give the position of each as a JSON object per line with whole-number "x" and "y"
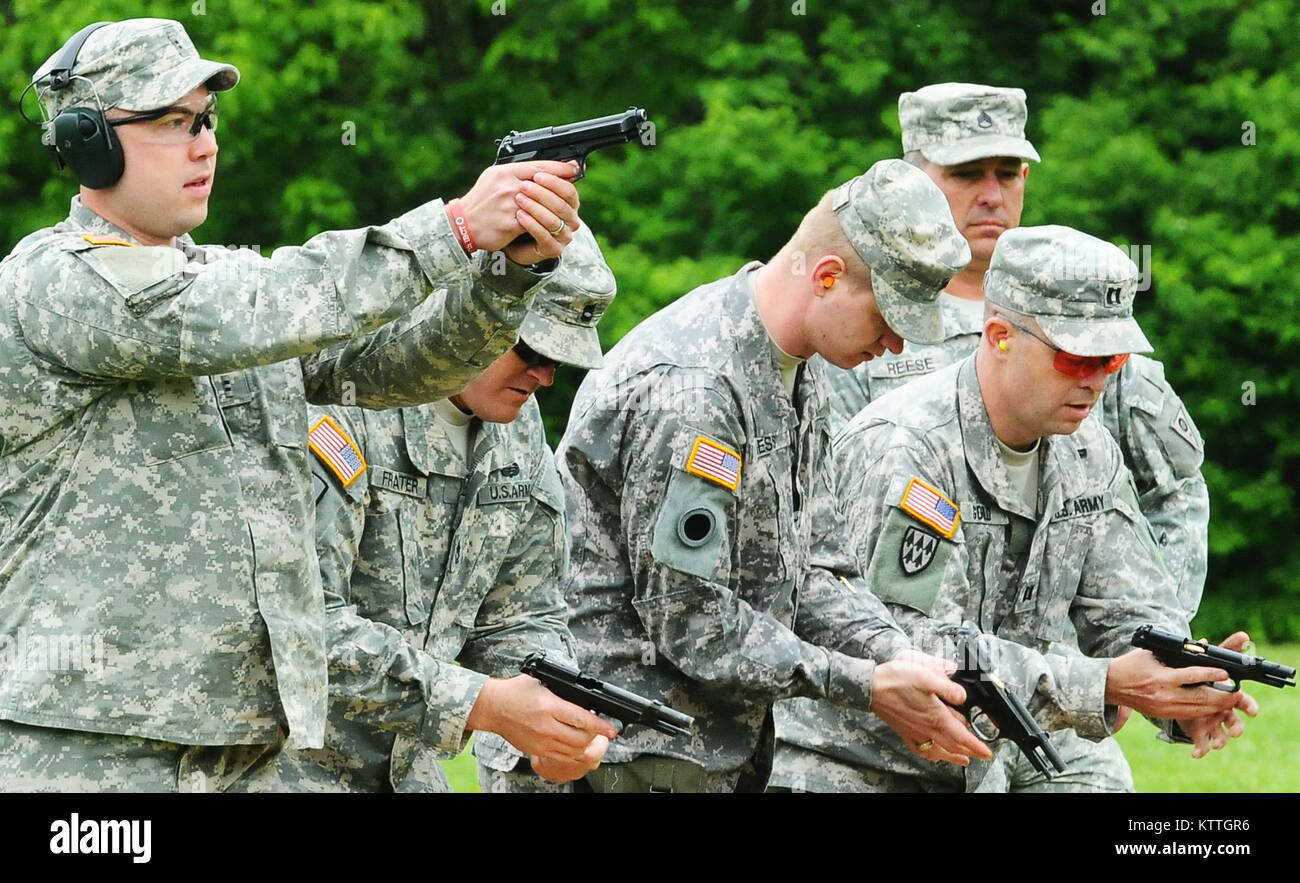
{"x": 976, "y": 713}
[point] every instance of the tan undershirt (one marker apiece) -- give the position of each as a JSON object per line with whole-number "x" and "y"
{"x": 455, "y": 423}
{"x": 1023, "y": 466}
{"x": 788, "y": 364}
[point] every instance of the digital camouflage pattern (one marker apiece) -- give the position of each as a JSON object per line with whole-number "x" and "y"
{"x": 1079, "y": 288}
{"x": 1085, "y": 560}
{"x": 42, "y": 759}
{"x": 1160, "y": 443}
{"x": 137, "y": 64}
{"x": 1164, "y": 450}
{"x": 851, "y": 390}
{"x": 953, "y": 123}
{"x": 1084, "y": 570}
{"x": 716, "y": 601}
{"x": 426, "y": 560}
{"x": 156, "y": 493}
{"x": 899, "y": 223}
{"x": 562, "y": 320}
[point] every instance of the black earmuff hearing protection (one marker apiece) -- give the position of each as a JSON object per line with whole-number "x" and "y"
{"x": 81, "y": 137}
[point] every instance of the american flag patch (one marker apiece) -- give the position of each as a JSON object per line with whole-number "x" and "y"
{"x": 336, "y": 450}
{"x": 714, "y": 462}
{"x": 930, "y": 507}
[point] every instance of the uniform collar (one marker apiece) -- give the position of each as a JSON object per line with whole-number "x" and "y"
{"x": 754, "y": 360}
{"x": 86, "y": 221}
{"x": 956, "y": 322}
{"x": 432, "y": 453}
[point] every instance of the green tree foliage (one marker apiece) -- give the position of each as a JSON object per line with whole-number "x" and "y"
{"x": 350, "y": 112}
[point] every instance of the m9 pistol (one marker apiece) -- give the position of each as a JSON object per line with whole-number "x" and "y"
{"x": 995, "y": 712}
{"x": 1177, "y": 652}
{"x": 594, "y": 694}
{"x": 572, "y": 140}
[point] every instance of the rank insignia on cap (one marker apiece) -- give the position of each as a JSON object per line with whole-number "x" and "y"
{"x": 931, "y": 507}
{"x": 710, "y": 460}
{"x": 336, "y": 450}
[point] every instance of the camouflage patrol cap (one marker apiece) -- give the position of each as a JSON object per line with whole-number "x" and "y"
{"x": 899, "y": 223}
{"x": 561, "y": 322}
{"x": 1079, "y": 289}
{"x": 138, "y": 64}
{"x": 952, "y": 123}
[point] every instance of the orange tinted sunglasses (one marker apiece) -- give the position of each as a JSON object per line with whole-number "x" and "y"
{"x": 1076, "y": 366}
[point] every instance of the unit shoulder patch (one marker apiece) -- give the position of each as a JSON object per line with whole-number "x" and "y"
{"x": 336, "y": 449}
{"x": 714, "y": 462}
{"x": 928, "y": 505}
{"x": 1182, "y": 424}
{"x": 917, "y": 550}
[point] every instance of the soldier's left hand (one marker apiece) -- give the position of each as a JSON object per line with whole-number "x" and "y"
{"x": 1214, "y": 730}
{"x": 560, "y": 770}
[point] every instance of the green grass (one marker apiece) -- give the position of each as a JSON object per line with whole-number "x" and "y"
{"x": 462, "y": 772}
{"x": 1262, "y": 760}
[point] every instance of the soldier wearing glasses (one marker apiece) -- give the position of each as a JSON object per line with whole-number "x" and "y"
{"x": 985, "y": 501}
{"x": 155, "y": 492}
{"x": 441, "y": 535}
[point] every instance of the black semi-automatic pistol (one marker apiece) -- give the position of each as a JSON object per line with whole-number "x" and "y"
{"x": 996, "y": 713}
{"x": 572, "y": 140}
{"x": 1177, "y": 652}
{"x": 594, "y": 694}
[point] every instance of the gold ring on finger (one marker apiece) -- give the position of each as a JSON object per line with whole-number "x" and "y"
{"x": 925, "y": 746}
{"x": 558, "y": 230}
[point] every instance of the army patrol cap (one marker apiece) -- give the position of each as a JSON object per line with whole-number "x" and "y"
{"x": 953, "y": 123}
{"x": 1079, "y": 289}
{"x": 139, "y": 64}
{"x": 899, "y": 222}
{"x": 561, "y": 322}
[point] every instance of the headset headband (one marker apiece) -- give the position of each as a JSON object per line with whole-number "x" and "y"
{"x": 60, "y": 74}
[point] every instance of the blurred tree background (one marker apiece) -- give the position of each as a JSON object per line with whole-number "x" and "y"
{"x": 1168, "y": 124}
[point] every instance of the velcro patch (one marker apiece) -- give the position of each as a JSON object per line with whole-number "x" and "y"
{"x": 1182, "y": 424}
{"x": 929, "y": 506}
{"x": 714, "y": 462}
{"x": 975, "y": 512}
{"x": 398, "y": 482}
{"x": 1079, "y": 506}
{"x": 902, "y": 367}
{"x": 100, "y": 240}
{"x": 504, "y": 492}
{"x": 336, "y": 450}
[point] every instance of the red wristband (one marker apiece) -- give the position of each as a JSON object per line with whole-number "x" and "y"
{"x": 462, "y": 229}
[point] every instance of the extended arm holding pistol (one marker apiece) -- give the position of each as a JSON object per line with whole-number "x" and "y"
{"x": 591, "y": 693}
{"x": 1177, "y": 652}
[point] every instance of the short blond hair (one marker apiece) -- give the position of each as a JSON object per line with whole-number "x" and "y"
{"x": 820, "y": 233}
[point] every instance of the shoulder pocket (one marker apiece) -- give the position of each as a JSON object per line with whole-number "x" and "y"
{"x": 908, "y": 565}
{"x": 142, "y": 275}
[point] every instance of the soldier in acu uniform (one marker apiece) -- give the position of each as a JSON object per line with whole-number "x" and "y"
{"x": 440, "y": 531}
{"x": 991, "y": 515}
{"x": 710, "y": 565}
{"x": 970, "y": 139}
{"x": 155, "y": 493}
